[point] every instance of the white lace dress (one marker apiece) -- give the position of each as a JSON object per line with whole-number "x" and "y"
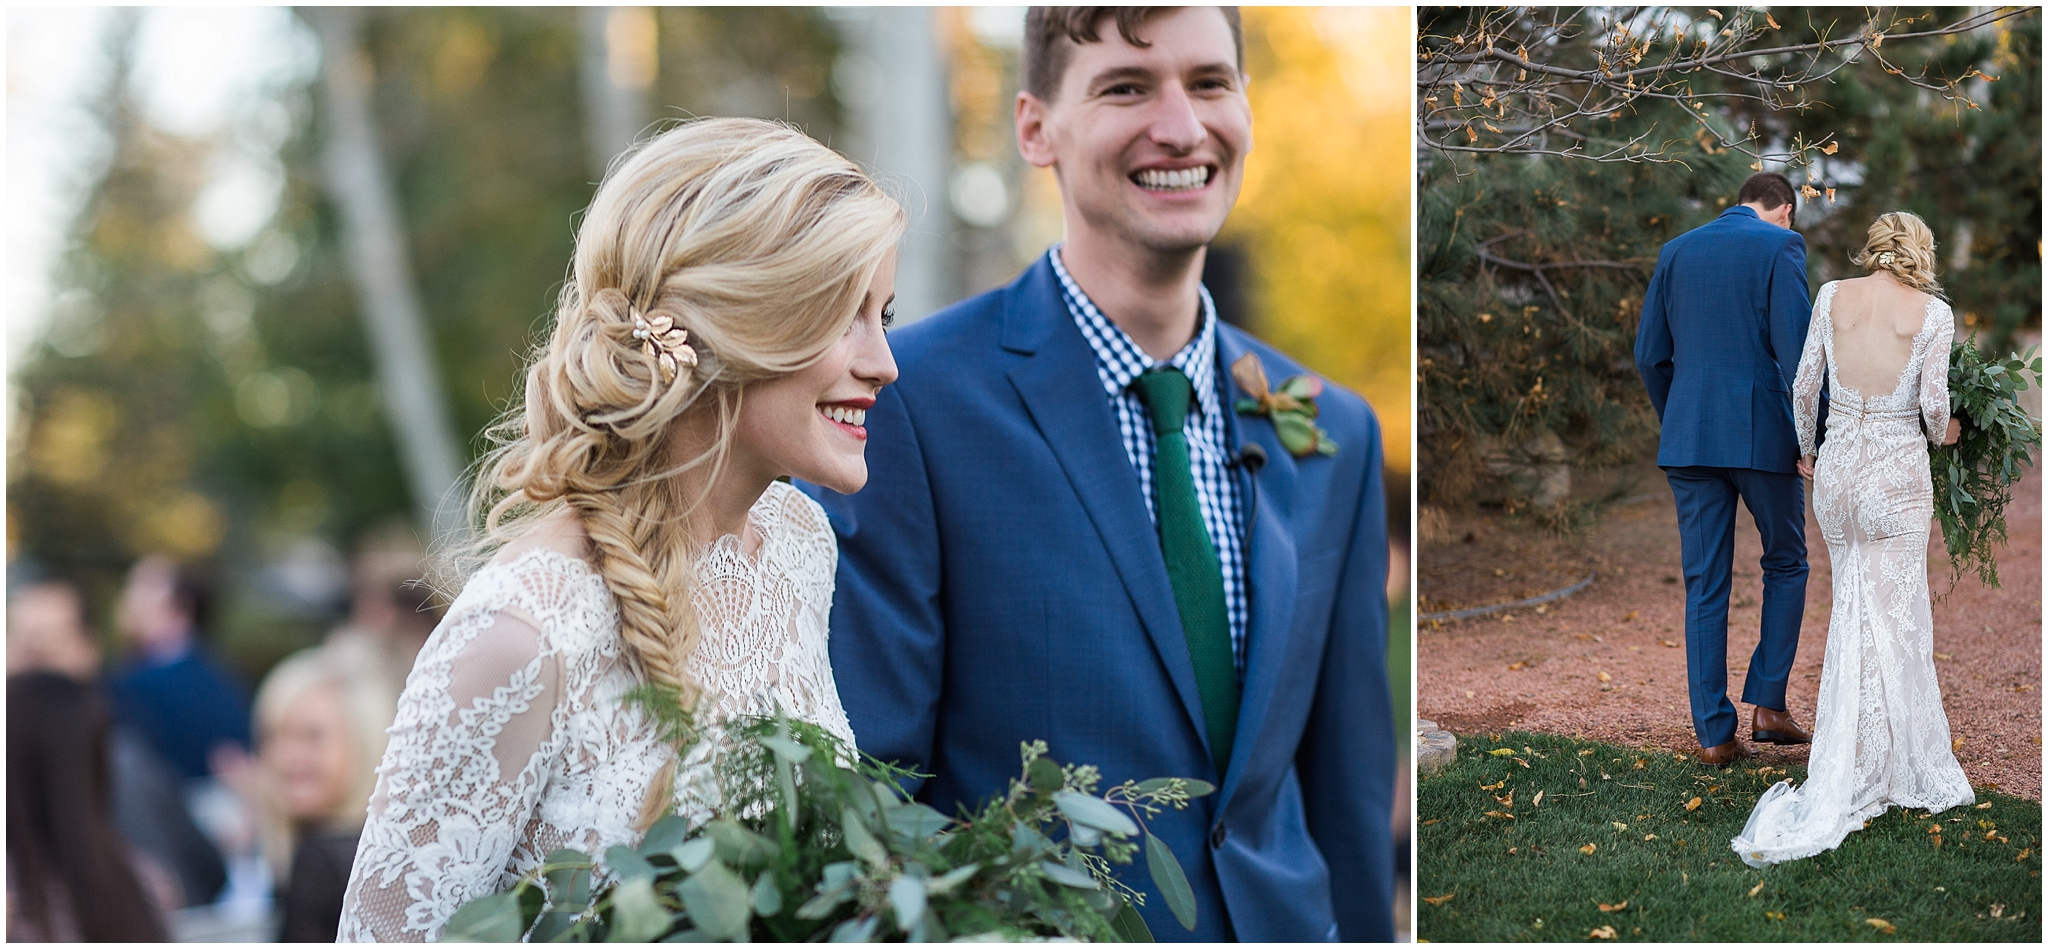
{"x": 1880, "y": 737}
{"x": 511, "y": 739}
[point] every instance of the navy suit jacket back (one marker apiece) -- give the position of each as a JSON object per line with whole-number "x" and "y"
{"x": 1000, "y": 581}
{"x": 1723, "y": 323}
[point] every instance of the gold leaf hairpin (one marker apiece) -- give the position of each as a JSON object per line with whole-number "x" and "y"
{"x": 665, "y": 342}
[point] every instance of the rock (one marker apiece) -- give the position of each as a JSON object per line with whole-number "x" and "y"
{"x": 1435, "y": 748}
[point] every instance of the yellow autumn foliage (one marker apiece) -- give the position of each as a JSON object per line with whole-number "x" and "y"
{"x": 1325, "y": 209}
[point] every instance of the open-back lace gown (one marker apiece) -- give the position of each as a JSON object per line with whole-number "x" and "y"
{"x": 1880, "y": 736}
{"x": 511, "y": 739}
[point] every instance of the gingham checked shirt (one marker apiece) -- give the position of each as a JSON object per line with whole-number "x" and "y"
{"x": 1119, "y": 362}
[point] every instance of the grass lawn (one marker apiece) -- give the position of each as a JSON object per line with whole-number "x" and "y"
{"x": 1613, "y": 827}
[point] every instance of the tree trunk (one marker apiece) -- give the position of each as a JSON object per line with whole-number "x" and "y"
{"x": 373, "y": 237}
{"x": 618, "y": 67}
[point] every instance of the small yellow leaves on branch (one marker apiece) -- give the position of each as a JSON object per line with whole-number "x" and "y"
{"x": 1692, "y": 805}
{"x": 1773, "y": 23}
{"x": 1588, "y": 849}
{"x": 1831, "y": 195}
{"x": 1877, "y": 41}
{"x": 1438, "y": 900}
{"x": 1882, "y": 926}
{"x": 1756, "y": 166}
{"x": 1758, "y": 888}
{"x": 1809, "y": 192}
{"x": 1604, "y": 932}
{"x": 1716, "y": 14}
{"x": 1613, "y": 907}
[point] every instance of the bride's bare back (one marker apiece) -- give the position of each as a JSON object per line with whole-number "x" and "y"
{"x": 1875, "y": 320}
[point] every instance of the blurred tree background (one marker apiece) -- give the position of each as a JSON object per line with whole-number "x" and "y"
{"x": 218, "y": 399}
{"x": 1534, "y": 248}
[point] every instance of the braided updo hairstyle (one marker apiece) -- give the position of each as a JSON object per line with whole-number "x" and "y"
{"x": 1900, "y": 244}
{"x": 756, "y": 241}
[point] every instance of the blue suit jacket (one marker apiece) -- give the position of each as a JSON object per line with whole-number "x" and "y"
{"x": 1723, "y": 322}
{"x": 183, "y": 708}
{"x": 1000, "y": 581}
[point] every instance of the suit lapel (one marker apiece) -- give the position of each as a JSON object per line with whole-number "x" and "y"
{"x": 1061, "y": 390}
{"x": 1270, "y": 571}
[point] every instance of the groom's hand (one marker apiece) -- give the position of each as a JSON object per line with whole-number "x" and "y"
{"x": 1955, "y": 431}
{"x": 1805, "y": 467}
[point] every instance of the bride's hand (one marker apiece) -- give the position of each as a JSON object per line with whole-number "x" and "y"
{"x": 1955, "y": 431}
{"x": 1805, "y": 467}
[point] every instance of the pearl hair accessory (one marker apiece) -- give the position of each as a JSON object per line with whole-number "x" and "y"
{"x": 1885, "y": 259}
{"x": 665, "y": 342}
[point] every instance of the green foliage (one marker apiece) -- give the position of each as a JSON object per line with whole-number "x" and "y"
{"x": 1668, "y": 873}
{"x": 1973, "y": 478}
{"x": 813, "y": 840}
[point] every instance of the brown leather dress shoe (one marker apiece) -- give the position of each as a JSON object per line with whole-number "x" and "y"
{"x": 1773, "y": 726}
{"x": 1720, "y": 756}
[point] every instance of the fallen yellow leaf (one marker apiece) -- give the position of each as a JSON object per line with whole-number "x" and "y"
{"x": 1693, "y": 804}
{"x": 1774, "y": 917}
{"x": 1497, "y": 752}
{"x": 1500, "y": 814}
{"x": 1604, "y": 932}
{"x": 1649, "y": 836}
{"x": 1630, "y": 618}
{"x": 1589, "y": 751}
{"x": 1538, "y": 802}
{"x": 1669, "y": 643}
{"x": 1882, "y": 926}
{"x": 1614, "y": 908}
{"x": 1604, "y": 677}
{"x": 1620, "y": 826}
{"x": 1438, "y": 900}
{"x": 1495, "y": 786}
{"x": 1943, "y": 657}
{"x": 2024, "y": 854}
{"x": 1955, "y": 745}
{"x": 1758, "y": 888}
{"x": 1984, "y": 806}
{"x": 1589, "y": 848}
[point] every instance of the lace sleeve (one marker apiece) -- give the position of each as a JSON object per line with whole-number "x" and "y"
{"x": 1934, "y": 371}
{"x": 1813, "y": 368}
{"x": 460, "y": 778}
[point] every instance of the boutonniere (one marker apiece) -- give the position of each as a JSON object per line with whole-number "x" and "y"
{"x": 1292, "y": 407}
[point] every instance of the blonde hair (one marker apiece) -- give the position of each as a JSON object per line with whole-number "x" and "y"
{"x": 1900, "y": 244}
{"x": 368, "y": 705}
{"x": 756, "y": 241}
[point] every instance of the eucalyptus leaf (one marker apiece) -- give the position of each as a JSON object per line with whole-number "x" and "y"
{"x": 569, "y": 888}
{"x": 628, "y": 864}
{"x": 566, "y": 857}
{"x": 664, "y": 835}
{"x": 856, "y": 930}
{"x": 1082, "y": 835}
{"x": 1046, "y": 776}
{"x": 1067, "y": 876}
{"x": 688, "y": 935}
{"x": 767, "y": 896}
{"x": 907, "y": 898}
{"x": 691, "y": 855}
{"x": 1172, "y": 882}
{"x": 1094, "y": 812}
{"x": 917, "y": 821}
{"x": 786, "y": 749}
{"x": 839, "y": 874}
{"x": 944, "y": 883}
{"x": 1129, "y": 925}
{"x": 494, "y": 918}
{"x": 637, "y": 914}
{"x": 860, "y": 841}
{"x": 552, "y": 926}
{"x": 717, "y": 901}
{"x": 1026, "y": 842}
{"x": 738, "y": 846}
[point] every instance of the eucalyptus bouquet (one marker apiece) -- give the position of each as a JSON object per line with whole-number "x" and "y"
{"x": 1973, "y": 478}
{"x": 815, "y": 841}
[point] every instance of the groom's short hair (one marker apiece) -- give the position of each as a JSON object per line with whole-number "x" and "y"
{"x": 1768, "y": 188}
{"x": 1048, "y": 31}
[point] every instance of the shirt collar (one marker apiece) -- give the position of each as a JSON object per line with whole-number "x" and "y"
{"x": 1118, "y": 357}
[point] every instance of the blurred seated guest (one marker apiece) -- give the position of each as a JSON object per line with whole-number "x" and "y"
{"x": 391, "y": 611}
{"x": 70, "y": 876}
{"x": 181, "y": 700}
{"x": 46, "y": 632}
{"x": 320, "y": 733}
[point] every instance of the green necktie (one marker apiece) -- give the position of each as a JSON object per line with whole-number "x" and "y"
{"x": 1191, "y": 562}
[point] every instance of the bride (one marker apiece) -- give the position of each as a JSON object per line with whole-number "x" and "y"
{"x": 722, "y": 329}
{"x": 1880, "y": 737}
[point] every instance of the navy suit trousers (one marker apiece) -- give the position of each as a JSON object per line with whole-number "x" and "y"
{"x": 1706, "y": 524}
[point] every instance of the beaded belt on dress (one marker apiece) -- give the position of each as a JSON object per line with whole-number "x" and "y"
{"x": 1841, "y": 410}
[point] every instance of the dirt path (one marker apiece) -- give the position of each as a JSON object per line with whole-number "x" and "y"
{"x": 1607, "y": 664}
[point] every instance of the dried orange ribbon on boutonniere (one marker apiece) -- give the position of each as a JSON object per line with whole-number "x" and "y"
{"x": 1292, "y": 407}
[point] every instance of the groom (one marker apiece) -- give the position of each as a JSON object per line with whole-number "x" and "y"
{"x": 1073, "y": 534}
{"x": 1723, "y": 323}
